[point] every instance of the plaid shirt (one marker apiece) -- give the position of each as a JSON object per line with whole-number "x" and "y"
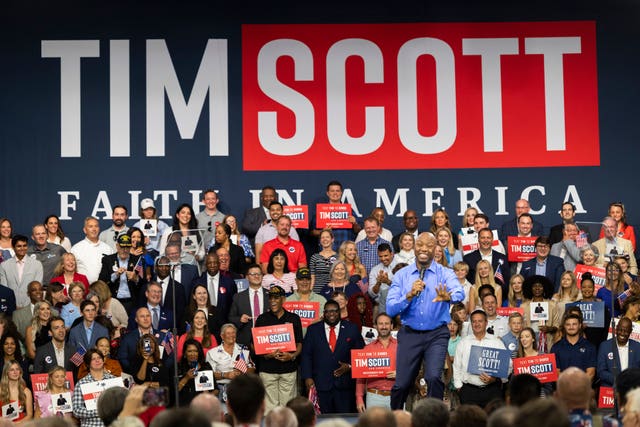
{"x": 87, "y": 418}
{"x": 368, "y": 252}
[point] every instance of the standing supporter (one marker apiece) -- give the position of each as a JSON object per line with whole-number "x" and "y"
{"x": 467, "y": 224}
{"x": 199, "y": 300}
{"x": 446, "y": 242}
{"x": 119, "y": 272}
{"x": 221, "y": 288}
{"x": 268, "y": 230}
{"x": 485, "y": 252}
{"x": 66, "y": 272}
{"x": 377, "y": 213}
{"x": 512, "y": 227}
{"x": 623, "y": 353}
{"x": 305, "y": 293}
{"x": 119, "y": 217}
{"x": 191, "y": 362}
{"x": 611, "y": 245}
{"x": 185, "y": 227}
{"x": 208, "y": 218}
{"x": 6, "y": 235}
{"x": 421, "y": 294}
{"x": 111, "y": 365}
{"x": 87, "y": 332}
{"x": 22, "y": 317}
{"x": 56, "y": 385}
{"x": 138, "y": 248}
{"x": 381, "y": 274}
{"x": 440, "y": 218}
{"x": 147, "y": 212}
{"x": 71, "y": 311}
{"x": 256, "y": 217}
{"x": 510, "y": 339}
{"x": 94, "y": 361}
{"x": 624, "y": 230}
{"x": 568, "y": 291}
{"x": 368, "y": 247}
{"x": 14, "y": 392}
{"x": 557, "y": 233}
{"x": 240, "y": 239}
{"x": 293, "y": 248}
{"x": 55, "y": 234}
{"x": 320, "y": 263}
{"x": 410, "y": 222}
{"x": 544, "y": 264}
{"x": 573, "y": 349}
{"x": 348, "y": 253}
{"x": 405, "y": 253}
{"x": 48, "y": 254}
{"x": 485, "y": 276}
{"x": 279, "y": 273}
{"x": 567, "y": 248}
{"x": 199, "y": 332}
{"x": 147, "y": 365}
{"x": 38, "y": 332}
{"x": 360, "y": 311}
{"x": 515, "y": 297}
{"x": 539, "y": 289}
{"x": 56, "y": 352}
{"x": 377, "y": 391}
{"x": 90, "y": 250}
{"x": 222, "y": 239}
{"x": 334, "y": 196}
{"x": 16, "y": 273}
{"x": 339, "y": 281}
{"x": 249, "y": 304}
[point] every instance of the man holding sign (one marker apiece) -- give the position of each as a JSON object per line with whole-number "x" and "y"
{"x": 378, "y": 390}
{"x": 421, "y": 294}
{"x": 478, "y": 389}
{"x": 278, "y": 368}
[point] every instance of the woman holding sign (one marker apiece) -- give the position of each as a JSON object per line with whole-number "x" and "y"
{"x": 593, "y": 334}
{"x": 94, "y": 361}
{"x": 16, "y": 399}
{"x": 56, "y": 385}
{"x": 614, "y": 285}
{"x": 191, "y": 362}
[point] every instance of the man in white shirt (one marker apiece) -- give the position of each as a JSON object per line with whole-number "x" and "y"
{"x": 497, "y": 325}
{"x": 89, "y": 252}
{"x": 473, "y": 388}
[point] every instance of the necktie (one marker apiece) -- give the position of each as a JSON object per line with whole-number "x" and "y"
{"x": 256, "y": 306}
{"x": 212, "y": 293}
{"x": 156, "y": 318}
{"x": 332, "y": 338}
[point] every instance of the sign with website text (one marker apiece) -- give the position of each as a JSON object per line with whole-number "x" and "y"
{"x": 521, "y": 249}
{"x": 597, "y": 274}
{"x": 506, "y": 311}
{"x": 333, "y": 215}
{"x": 309, "y": 311}
{"x": 366, "y": 363}
{"x": 267, "y": 339}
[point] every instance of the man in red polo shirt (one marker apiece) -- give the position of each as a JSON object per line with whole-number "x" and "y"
{"x": 293, "y": 248}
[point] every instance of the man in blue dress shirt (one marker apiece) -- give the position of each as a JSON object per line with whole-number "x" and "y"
{"x": 421, "y": 294}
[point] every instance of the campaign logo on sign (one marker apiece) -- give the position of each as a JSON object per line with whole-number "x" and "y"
{"x": 267, "y": 339}
{"x": 372, "y": 363}
{"x": 506, "y": 311}
{"x": 592, "y": 312}
{"x": 542, "y": 366}
{"x": 605, "y": 399}
{"x": 299, "y": 215}
{"x": 308, "y": 311}
{"x": 333, "y": 215}
{"x": 490, "y": 361}
{"x": 521, "y": 249}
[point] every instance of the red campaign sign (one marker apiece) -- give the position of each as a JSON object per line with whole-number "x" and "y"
{"x": 520, "y": 249}
{"x": 299, "y": 215}
{"x": 267, "y": 339}
{"x": 366, "y": 363}
{"x": 39, "y": 381}
{"x": 419, "y": 95}
{"x": 333, "y": 215}
{"x": 605, "y": 399}
{"x": 308, "y": 311}
{"x": 506, "y": 311}
{"x": 542, "y": 366}
{"x": 597, "y": 273}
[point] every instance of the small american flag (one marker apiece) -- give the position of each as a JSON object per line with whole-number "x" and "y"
{"x": 78, "y": 356}
{"x": 138, "y": 268}
{"x": 167, "y": 343}
{"x": 581, "y": 239}
{"x": 241, "y": 363}
{"x": 498, "y": 275}
{"x": 313, "y": 398}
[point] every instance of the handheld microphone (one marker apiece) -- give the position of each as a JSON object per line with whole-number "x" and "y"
{"x": 422, "y": 271}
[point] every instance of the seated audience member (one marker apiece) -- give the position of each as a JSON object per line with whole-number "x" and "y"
{"x": 280, "y": 416}
{"x": 523, "y": 388}
{"x": 303, "y": 408}
{"x": 468, "y": 416}
{"x": 87, "y": 332}
{"x": 246, "y": 399}
{"x": 111, "y": 366}
{"x": 542, "y": 412}
{"x": 111, "y": 403}
{"x": 574, "y": 392}
{"x": 56, "y": 385}
{"x": 14, "y": 392}
{"x": 430, "y": 411}
{"x": 57, "y": 351}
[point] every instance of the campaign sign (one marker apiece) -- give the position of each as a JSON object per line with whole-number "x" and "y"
{"x": 597, "y": 273}
{"x": 592, "y": 312}
{"x": 333, "y": 215}
{"x": 61, "y": 402}
{"x": 189, "y": 243}
{"x": 299, "y": 215}
{"x": 11, "y": 410}
{"x": 490, "y": 361}
{"x": 506, "y": 311}
{"x": 92, "y": 391}
{"x": 542, "y": 366}
{"x": 520, "y": 249}
{"x": 149, "y": 227}
{"x": 539, "y": 311}
{"x": 369, "y": 335}
{"x": 367, "y": 363}
{"x": 39, "y": 381}
{"x": 605, "y": 399}
{"x": 267, "y": 339}
{"x": 204, "y": 381}
{"x": 470, "y": 242}
{"x": 309, "y": 311}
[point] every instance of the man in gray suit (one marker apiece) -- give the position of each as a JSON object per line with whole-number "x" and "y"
{"x": 244, "y": 311}
{"x": 566, "y": 248}
{"x": 17, "y": 272}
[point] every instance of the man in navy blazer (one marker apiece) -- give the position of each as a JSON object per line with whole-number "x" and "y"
{"x": 242, "y": 312}
{"x": 78, "y": 334}
{"x": 609, "y": 351}
{"x": 163, "y": 268}
{"x": 510, "y": 228}
{"x": 327, "y": 369}
{"x": 553, "y": 265}
{"x": 484, "y": 251}
{"x": 221, "y": 288}
{"x": 182, "y": 273}
{"x": 129, "y": 342}
{"x": 46, "y": 359}
{"x": 153, "y": 298}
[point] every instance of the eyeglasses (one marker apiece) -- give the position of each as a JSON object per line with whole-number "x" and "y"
{"x": 254, "y": 274}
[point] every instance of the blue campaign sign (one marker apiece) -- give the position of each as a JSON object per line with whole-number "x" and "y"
{"x": 592, "y": 312}
{"x": 491, "y": 361}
